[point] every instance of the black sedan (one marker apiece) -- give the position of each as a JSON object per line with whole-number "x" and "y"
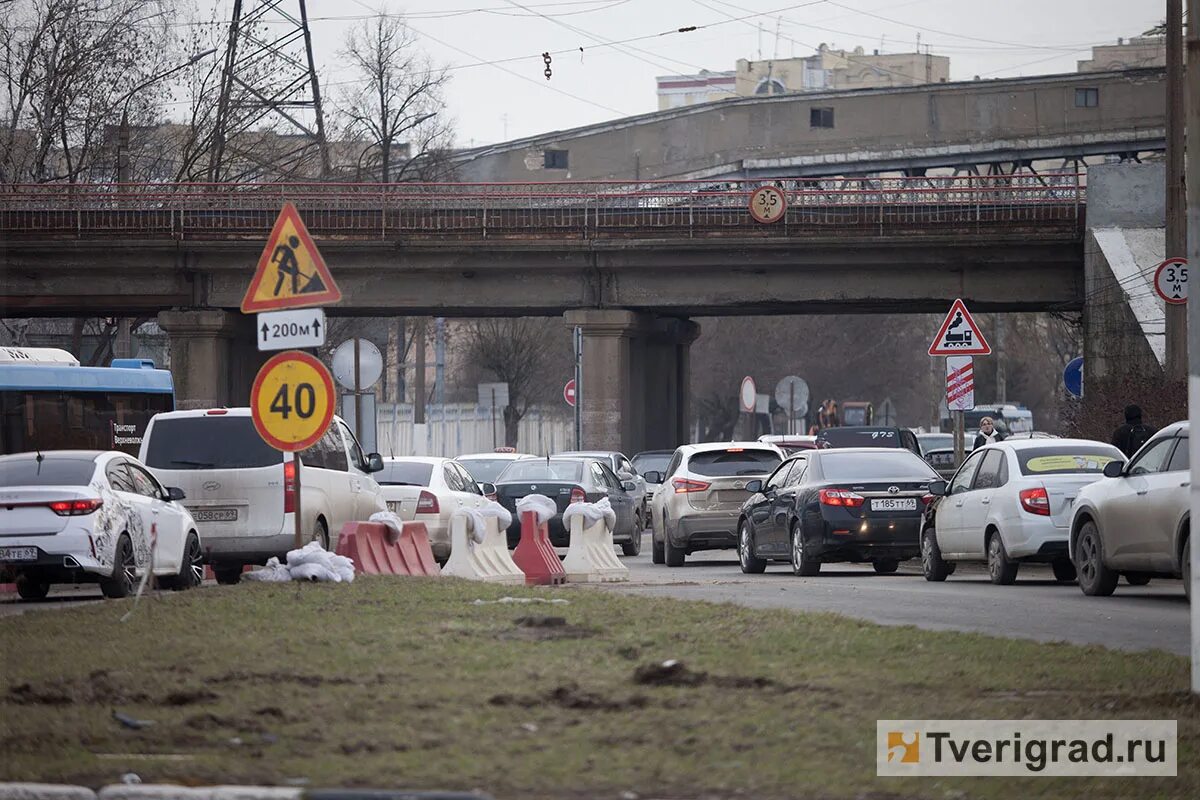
{"x": 853, "y": 504}
{"x": 566, "y": 480}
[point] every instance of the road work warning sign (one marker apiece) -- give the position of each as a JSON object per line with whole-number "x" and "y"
{"x": 291, "y": 272}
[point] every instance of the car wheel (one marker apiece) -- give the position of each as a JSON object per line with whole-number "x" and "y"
{"x": 29, "y": 589}
{"x": 751, "y": 564}
{"x": 1095, "y": 579}
{"x": 321, "y": 534}
{"x": 124, "y": 575}
{"x": 1001, "y": 569}
{"x": 191, "y": 571}
{"x": 1064, "y": 570}
{"x": 656, "y": 549}
{"x": 802, "y": 564}
{"x": 634, "y": 546}
{"x": 227, "y": 574}
{"x": 1187, "y": 568}
{"x": 674, "y": 556}
{"x": 886, "y": 566}
{"x": 1137, "y": 578}
{"x": 932, "y": 565}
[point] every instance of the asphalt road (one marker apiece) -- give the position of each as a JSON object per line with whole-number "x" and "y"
{"x": 1036, "y": 607}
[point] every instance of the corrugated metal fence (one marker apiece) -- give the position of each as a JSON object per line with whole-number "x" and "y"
{"x": 453, "y": 430}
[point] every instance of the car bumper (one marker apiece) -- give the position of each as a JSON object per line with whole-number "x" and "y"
{"x": 706, "y": 531}
{"x": 869, "y": 540}
{"x": 64, "y": 556}
{"x": 246, "y": 549}
{"x": 1035, "y": 540}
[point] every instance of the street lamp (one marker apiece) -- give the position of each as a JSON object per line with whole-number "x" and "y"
{"x": 123, "y": 131}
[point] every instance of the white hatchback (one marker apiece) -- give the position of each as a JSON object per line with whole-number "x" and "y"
{"x": 86, "y": 516}
{"x": 429, "y": 490}
{"x": 1009, "y": 503}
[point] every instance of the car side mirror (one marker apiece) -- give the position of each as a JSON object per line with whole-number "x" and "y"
{"x": 653, "y": 476}
{"x": 1114, "y": 469}
{"x": 175, "y": 494}
{"x": 754, "y": 487}
{"x": 629, "y": 486}
{"x": 374, "y": 463}
{"x": 938, "y": 488}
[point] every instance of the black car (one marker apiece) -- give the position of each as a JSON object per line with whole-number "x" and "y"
{"x": 566, "y": 480}
{"x": 868, "y": 436}
{"x": 850, "y": 504}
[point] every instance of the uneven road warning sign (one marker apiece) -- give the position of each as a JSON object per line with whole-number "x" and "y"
{"x": 291, "y": 272}
{"x": 959, "y": 335}
{"x": 292, "y": 401}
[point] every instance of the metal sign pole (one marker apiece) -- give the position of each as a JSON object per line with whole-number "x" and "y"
{"x": 792, "y": 409}
{"x": 960, "y": 436}
{"x": 357, "y": 390}
{"x": 1193, "y": 315}
{"x": 299, "y": 541}
{"x": 493, "y": 419}
{"x": 577, "y": 340}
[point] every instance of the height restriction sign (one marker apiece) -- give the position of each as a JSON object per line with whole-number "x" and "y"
{"x": 292, "y": 401}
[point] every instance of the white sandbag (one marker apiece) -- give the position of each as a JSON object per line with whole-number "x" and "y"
{"x": 273, "y": 572}
{"x": 591, "y": 513}
{"x": 493, "y": 509}
{"x": 313, "y": 563}
{"x": 542, "y": 506}
{"x": 314, "y": 571}
{"x": 388, "y": 518}
{"x": 311, "y": 552}
{"x": 344, "y": 567}
{"x": 476, "y": 526}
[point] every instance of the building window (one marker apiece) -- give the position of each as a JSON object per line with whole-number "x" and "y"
{"x": 770, "y": 86}
{"x": 820, "y": 118}
{"x": 555, "y": 159}
{"x": 1087, "y": 98}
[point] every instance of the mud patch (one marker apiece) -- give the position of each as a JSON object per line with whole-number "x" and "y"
{"x": 676, "y": 673}
{"x": 99, "y": 688}
{"x": 544, "y": 629}
{"x": 211, "y": 722}
{"x": 310, "y": 681}
{"x": 189, "y": 697}
{"x": 571, "y": 696}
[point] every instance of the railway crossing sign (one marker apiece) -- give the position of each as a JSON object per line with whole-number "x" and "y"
{"x": 1171, "y": 281}
{"x": 959, "y": 335}
{"x": 960, "y": 383}
{"x": 768, "y": 204}
{"x": 292, "y": 401}
{"x": 291, "y": 272}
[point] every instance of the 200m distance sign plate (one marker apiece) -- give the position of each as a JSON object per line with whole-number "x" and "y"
{"x": 292, "y": 401}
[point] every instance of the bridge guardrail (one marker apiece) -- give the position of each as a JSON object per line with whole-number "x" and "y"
{"x": 581, "y": 209}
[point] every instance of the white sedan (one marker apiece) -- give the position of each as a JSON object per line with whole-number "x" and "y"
{"x": 429, "y": 490}
{"x": 1009, "y": 503}
{"x": 82, "y": 516}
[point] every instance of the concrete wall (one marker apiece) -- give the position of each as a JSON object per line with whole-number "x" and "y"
{"x": 1127, "y": 196}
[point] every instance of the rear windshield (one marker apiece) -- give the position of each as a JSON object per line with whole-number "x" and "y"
{"x": 727, "y": 463}
{"x": 859, "y": 437}
{"x": 208, "y": 443}
{"x": 404, "y": 473}
{"x": 27, "y": 471}
{"x": 928, "y": 443}
{"x": 901, "y": 465}
{"x": 485, "y": 470}
{"x": 539, "y": 470}
{"x": 652, "y": 462}
{"x": 1066, "y": 460}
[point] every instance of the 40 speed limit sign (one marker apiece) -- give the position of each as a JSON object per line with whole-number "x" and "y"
{"x": 292, "y": 401}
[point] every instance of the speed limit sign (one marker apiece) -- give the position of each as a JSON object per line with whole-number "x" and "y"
{"x": 768, "y": 204}
{"x": 292, "y": 401}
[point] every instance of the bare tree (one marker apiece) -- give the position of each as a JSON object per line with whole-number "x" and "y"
{"x": 396, "y": 108}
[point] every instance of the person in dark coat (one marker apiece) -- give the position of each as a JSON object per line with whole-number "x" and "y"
{"x": 988, "y": 434}
{"x": 1130, "y": 437}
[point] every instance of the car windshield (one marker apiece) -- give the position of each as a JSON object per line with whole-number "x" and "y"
{"x": 901, "y": 465}
{"x": 27, "y": 470}
{"x": 734, "y": 461}
{"x": 216, "y": 442}
{"x": 1066, "y": 460}
{"x": 859, "y": 437}
{"x": 941, "y": 441}
{"x": 541, "y": 470}
{"x": 404, "y": 473}
{"x": 651, "y": 462}
{"x": 485, "y": 470}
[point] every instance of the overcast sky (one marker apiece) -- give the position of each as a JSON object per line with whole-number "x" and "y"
{"x": 496, "y": 101}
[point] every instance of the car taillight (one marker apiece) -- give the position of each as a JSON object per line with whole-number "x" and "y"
{"x": 843, "y": 498}
{"x": 289, "y": 487}
{"x": 685, "y": 485}
{"x": 927, "y": 499}
{"x": 427, "y": 503}
{"x": 1036, "y": 501}
{"x": 578, "y": 495}
{"x": 75, "y": 508}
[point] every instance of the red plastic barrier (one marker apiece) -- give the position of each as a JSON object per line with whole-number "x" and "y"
{"x": 7, "y": 588}
{"x": 535, "y": 555}
{"x": 375, "y": 550}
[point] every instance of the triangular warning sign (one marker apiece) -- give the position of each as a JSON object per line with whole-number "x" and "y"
{"x": 291, "y": 273}
{"x": 959, "y": 335}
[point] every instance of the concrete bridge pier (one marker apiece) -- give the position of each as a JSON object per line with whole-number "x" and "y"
{"x": 635, "y": 379}
{"x": 214, "y": 357}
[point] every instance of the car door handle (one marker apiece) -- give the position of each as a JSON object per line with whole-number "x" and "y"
{"x": 986, "y": 501}
{"x": 1185, "y": 484}
{"x": 1142, "y": 492}
{"x": 958, "y": 504}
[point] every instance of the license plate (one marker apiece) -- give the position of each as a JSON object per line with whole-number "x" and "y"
{"x": 215, "y": 515}
{"x": 18, "y": 553}
{"x": 894, "y": 504}
{"x": 394, "y": 506}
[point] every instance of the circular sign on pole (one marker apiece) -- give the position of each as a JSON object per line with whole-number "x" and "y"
{"x": 768, "y": 204}
{"x": 569, "y": 393}
{"x": 791, "y": 393}
{"x": 1171, "y": 281}
{"x": 748, "y": 395}
{"x": 1073, "y": 377}
{"x": 370, "y": 364}
{"x": 292, "y": 401}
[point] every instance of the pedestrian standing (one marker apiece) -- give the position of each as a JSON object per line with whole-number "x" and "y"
{"x": 1130, "y": 437}
{"x": 988, "y": 433}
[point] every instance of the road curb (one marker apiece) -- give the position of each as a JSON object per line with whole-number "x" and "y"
{"x": 164, "y": 791}
{"x": 44, "y": 791}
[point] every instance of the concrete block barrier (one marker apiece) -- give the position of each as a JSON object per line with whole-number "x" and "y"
{"x": 590, "y": 556}
{"x": 535, "y": 556}
{"x": 167, "y": 791}
{"x": 480, "y": 555}
{"x": 377, "y": 549}
{"x": 44, "y": 791}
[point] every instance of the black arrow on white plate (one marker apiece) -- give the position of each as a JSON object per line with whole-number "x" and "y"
{"x": 264, "y": 330}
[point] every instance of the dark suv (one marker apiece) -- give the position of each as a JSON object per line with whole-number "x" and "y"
{"x": 868, "y": 436}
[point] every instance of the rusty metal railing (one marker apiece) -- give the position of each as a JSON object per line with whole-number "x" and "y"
{"x": 581, "y": 209}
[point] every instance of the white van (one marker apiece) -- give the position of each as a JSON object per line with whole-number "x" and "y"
{"x": 240, "y": 489}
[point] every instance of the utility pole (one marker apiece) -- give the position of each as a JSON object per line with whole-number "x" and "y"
{"x": 419, "y": 375}
{"x": 1001, "y": 375}
{"x": 1176, "y": 315}
{"x": 439, "y": 372}
{"x": 1193, "y": 238}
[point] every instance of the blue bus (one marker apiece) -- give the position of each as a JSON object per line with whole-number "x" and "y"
{"x": 49, "y": 402}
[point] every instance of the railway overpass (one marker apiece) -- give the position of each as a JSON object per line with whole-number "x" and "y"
{"x": 628, "y": 263}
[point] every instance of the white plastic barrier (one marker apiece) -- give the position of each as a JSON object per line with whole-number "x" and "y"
{"x": 479, "y": 546}
{"x": 590, "y": 556}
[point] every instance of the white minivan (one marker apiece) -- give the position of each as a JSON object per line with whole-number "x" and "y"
{"x": 240, "y": 489}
